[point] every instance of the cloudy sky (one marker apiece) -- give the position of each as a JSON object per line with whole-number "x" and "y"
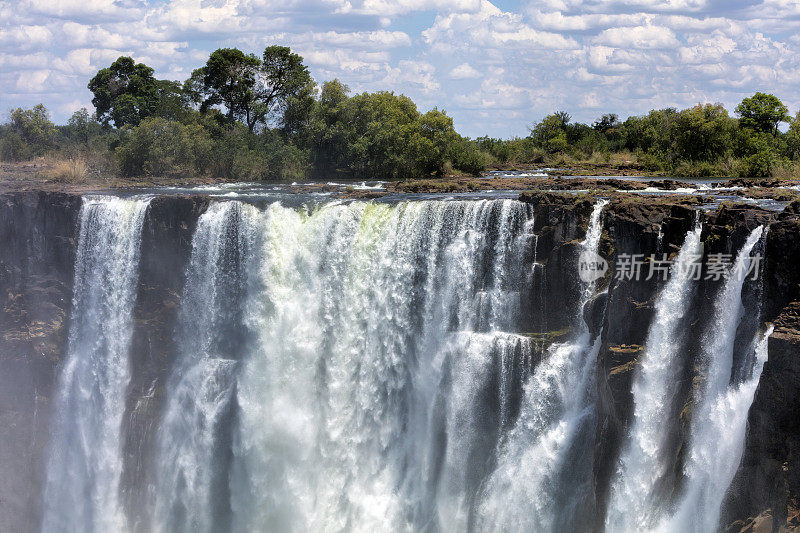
{"x": 496, "y": 67}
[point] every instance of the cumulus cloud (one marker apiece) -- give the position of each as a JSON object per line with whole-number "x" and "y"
{"x": 464, "y": 71}
{"x": 638, "y": 37}
{"x": 495, "y": 70}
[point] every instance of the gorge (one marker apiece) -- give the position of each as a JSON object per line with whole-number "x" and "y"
{"x": 182, "y": 362}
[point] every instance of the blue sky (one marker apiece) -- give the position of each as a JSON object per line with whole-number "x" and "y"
{"x": 496, "y": 67}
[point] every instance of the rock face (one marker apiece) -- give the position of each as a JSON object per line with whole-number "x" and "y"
{"x": 38, "y": 233}
{"x": 766, "y": 489}
{"x": 166, "y": 246}
{"x": 633, "y": 228}
{"x": 560, "y": 225}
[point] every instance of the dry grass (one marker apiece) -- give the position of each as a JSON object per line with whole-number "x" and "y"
{"x": 72, "y": 170}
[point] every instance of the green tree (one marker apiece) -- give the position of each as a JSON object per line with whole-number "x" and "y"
{"x": 161, "y": 147}
{"x": 380, "y": 128}
{"x": 793, "y": 139}
{"x": 432, "y": 141}
{"x": 29, "y": 133}
{"x": 702, "y": 133}
{"x": 228, "y": 79}
{"x": 299, "y": 113}
{"x": 649, "y": 133}
{"x": 33, "y": 125}
{"x": 81, "y": 127}
{"x": 125, "y": 92}
{"x": 758, "y": 152}
{"x": 255, "y": 91}
{"x": 762, "y": 112}
{"x": 551, "y": 134}
{"x": 330, "y": 128}
{"x": 172, "y": 102}
{"x": 606, "y": 122}
{"x": 283, "y": 78}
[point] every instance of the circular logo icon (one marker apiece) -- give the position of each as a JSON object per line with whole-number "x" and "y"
{"x": 591, "y": 267}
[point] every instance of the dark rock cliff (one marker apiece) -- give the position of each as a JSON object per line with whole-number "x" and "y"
{"x": 37, "y": 255}
{"x": 166, "y": 246}
{"x": 38, "y": 234}
{"x": 765, "y": 493}
{"x": 768, "y": 482}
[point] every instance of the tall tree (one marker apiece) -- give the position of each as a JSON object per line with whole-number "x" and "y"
{"x": 330, "y": 127}
{"x": 551, "y": 132}
{"x": 125, "y": 92}
{"x": 702, "y": 133}
{"x": 281, "y": 79}
{"x": 762, "y": 112}
{"x": 228, "y": 78}
{"x": 81, "y": 126}
{"x": 255, "y": 91}
{"x": 33, "y": 125}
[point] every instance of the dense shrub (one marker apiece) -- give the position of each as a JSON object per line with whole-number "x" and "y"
{"x": 160, "y": 147}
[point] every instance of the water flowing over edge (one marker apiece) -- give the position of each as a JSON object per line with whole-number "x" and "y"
{"x": 641, "y": 467}
{"x": 82, "y": 485}
{"x": 368, "y": 336}
{"x": 719, "y": 419}
{"x": 359, "y": 366}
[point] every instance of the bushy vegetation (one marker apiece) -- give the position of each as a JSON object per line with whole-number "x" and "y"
{"x": 247, "y": 117}
{"x": 703, "y": 140}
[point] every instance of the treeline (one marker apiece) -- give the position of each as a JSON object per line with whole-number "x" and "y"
{"x": 247, "y": 117}
{"x": 699, "y": 141}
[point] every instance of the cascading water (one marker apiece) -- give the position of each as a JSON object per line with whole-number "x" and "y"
{"x": 719, "y": 419}
{"x": 362, "y": 366}
{"x": 377, "y": 361}
{"x": 82, "y": 486}
{"x": 193, "y": 494}
{"x": 633, "y": 505}
{"x": 520, "y": 493}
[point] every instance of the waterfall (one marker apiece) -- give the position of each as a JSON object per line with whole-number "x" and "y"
{"x": 360, "y": 366}
{"x": 720, "y": 416}
{"x": 520, "y": 492}
{"x": 374, "y": 364}
{"x": 82, "y": 485}
{"x": 634, "y": 506}
{"x": 192, "y": 494}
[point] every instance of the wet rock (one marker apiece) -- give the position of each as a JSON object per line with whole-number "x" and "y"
{"x": 166, "y": 245}
{"x": 38, "y": 238}
{"x": 769, "y": 476}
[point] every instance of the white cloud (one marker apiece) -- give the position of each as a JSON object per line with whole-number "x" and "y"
{"x": 495, "y": 70}
{"x": 419, "y": 73}
{"x": 638, "y": 37}
{"x": 464, "y": 71}
{"x": 399, "y": 7}
{"x": 25, "y": 37}
{"x": 492, "y": 27}
{"x": 32, "y": 81}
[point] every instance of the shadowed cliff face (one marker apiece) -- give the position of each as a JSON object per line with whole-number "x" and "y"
{"x": 37, "y": 256}
{"x": 766, "y": 489}
{"x": 166, "y": 245}
{"x": 38, "y": 233}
